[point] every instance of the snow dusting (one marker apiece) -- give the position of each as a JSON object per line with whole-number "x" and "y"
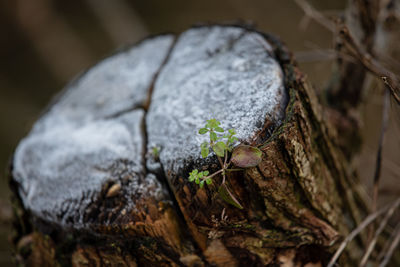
{"x": 76, "y": 147}
{"x": 63, "y": 164}
{"x": 114, "y": 85}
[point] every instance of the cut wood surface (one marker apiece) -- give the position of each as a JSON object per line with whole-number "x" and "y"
{"x": 92, "y": 193}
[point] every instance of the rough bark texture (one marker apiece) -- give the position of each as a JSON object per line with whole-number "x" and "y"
{"x": 141, "y": 210}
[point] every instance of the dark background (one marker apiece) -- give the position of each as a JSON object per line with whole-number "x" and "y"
{"x": 45, "y": 43}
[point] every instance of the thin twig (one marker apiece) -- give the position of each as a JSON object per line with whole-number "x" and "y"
{"x": 370, "y": 218}
{"x": 385, "y": 120}
{"x": 387, "y": 244}
{"x": 225, "y": 159}
{"x": 370, "y": 63}
{"x": 311, "y": 12}
{"x": 220, "y": 162}
{"x": 378, "y": 232}
{"x": 354, "y": 50}
{"x": 212, "y": 175}
{"x": 392, "y": 90}
{"x": 393, "y": 245}
{"x": 387, "y": 164}
{"x": 378, "y": 164}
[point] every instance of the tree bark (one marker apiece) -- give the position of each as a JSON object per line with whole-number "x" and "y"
{"x": 139, "y": 210}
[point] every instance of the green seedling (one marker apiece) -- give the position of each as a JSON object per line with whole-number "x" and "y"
{"x": 222, "y": 142}
{"x": 155, "y": 153}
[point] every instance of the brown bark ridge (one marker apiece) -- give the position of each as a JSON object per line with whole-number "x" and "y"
{"x": 88, "y": 192}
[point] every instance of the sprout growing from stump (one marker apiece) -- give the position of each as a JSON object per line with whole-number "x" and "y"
{"x": 221, "y": 143}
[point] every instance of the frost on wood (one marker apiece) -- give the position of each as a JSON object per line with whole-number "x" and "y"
{"x": 114, "y": 85}
{"x": 90, "y": 139}
{"x": 214, "y": 72}
{"x": 63, "y": 169}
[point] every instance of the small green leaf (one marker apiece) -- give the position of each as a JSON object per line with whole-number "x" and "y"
{"x": 204, "y": 149}
{"x": 213, "y": 136}
{"x": 155, "y": 152}
{"x": 222, "y": 144}
{"x": 203, "y": 131}
{"x": 195, "y": 171}
{"x": 204, "y": 152}
{"x": 228, "y": 197}
{"x": 219, "y": 149}
{"x": 219, "y": 129}
{"x": 245, "y": 156}
{"x": 192, "y": 177}
{"x": 212, "y": 123}
{"x": 208, "y": 181}
{"x": 197, "y": 180}
{"x": 201, "y": 184}
{"x": 206, "y": 173}
{"x": 200, "y": 175}
{"x": 232, "y": 131}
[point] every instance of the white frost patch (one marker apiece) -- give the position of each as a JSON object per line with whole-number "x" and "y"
{"x": 115, "y": 84}
{"x": 63, "y": 164}
{"x": 78, "y": 144}
{"x": 213, "y": 72}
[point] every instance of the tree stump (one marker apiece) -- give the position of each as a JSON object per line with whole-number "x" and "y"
{"x": 91, "y": 193}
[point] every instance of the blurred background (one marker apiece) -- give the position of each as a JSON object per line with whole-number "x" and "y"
{"x": 45, "y": 43}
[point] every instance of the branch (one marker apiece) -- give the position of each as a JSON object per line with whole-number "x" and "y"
{"x": 370, "y": 63}
{"x": 369, "y": 219}
{"x": 377, "y": 233}
{"x": 355, "y": 51}
{"x": 314, "y": 14}
{"x": 377, "y": 174}
{"x": 392, "y": 247}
